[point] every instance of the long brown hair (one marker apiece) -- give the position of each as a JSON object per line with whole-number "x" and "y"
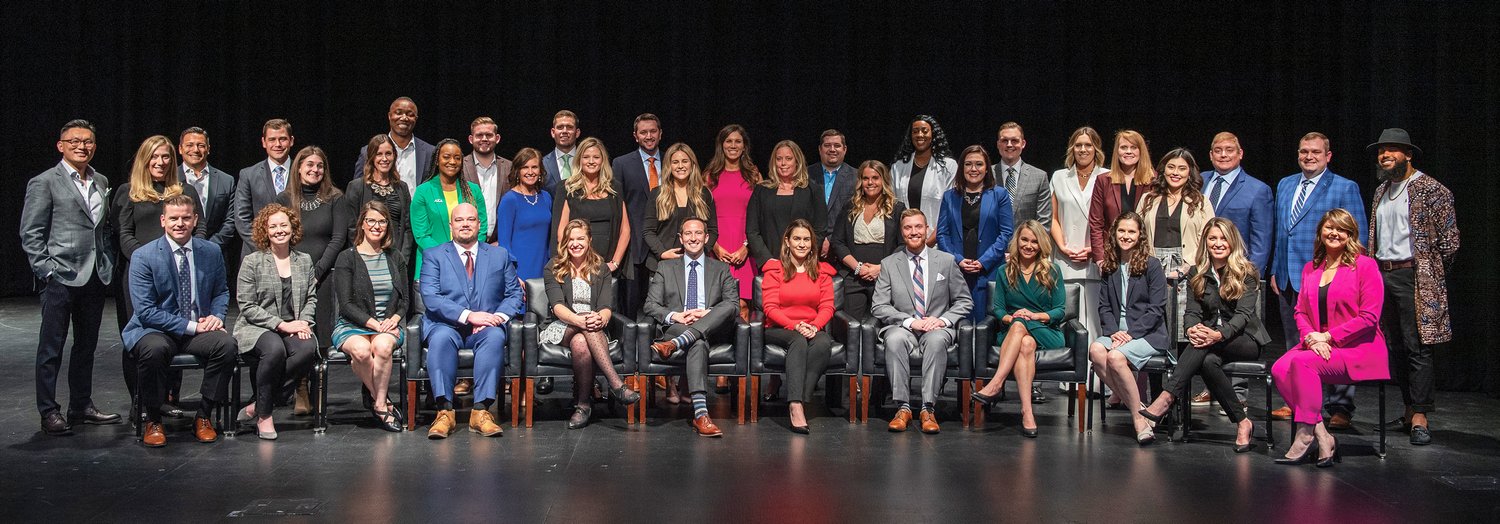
{"x": 523, "y": 156}
{"x": 1043, "y": 269}
{"x": 748, "y": 172}
{"x": 1342, "y": 221}
{"x": 1138, "y": 256}
{"x": 1192, "y": 191}
{"x": 885, "y": 204}
{"x": 326, "y": 192}
{"x": 141, "y": 189}
{"x": 562, "y": 267}
{"x": 788, "y": 269}
{"x": 1236, "y": 271}
{"x": 359, "y": 222}
{"x": 369, "y": 168}
{"x": 666, "y": 198}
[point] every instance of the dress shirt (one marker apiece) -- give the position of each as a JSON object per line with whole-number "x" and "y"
{"x": 1393, "y": 221}
{"x": 192, "y": 327}
{"x": 1228, "y": 178}
{"x": 286, "y": 170}
{"x": 199, "y": 181}
{"x": 487, "y": 185}
{"x": 406, "y": 162}
{"x": 661, "y": 170}
{"x": 829, "y": 175}
{"x": 563, "y": 169}
{"x": 86, "y": 188}
{"x": 473, "y": 251}
{"x": 687, "y": 266}
{"x": 911, "y": 276}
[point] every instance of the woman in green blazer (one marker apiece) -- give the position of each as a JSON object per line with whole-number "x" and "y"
{"x": 438, "y": 195}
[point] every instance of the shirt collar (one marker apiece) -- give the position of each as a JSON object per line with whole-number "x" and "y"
{"x": 461, "y": 250}
{"x": 1017, "y": 166}
{"x": 192, "y": 176}
{"x": 558, "y": 153}
{"x": 645, "y": 155}
{"x": 688, "y": 259}
{"x": 908, "y": 253}
{"x": 1315, "y": 179}
{"x": 400, "y": 150}
{"x": 271, "y": 165}
{"x": 1230, "y": 176}
{"x": 176, "y": 246}
{"x": 68, "y": 169}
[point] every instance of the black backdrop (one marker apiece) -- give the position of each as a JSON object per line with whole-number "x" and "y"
{"x": 786, "y": 70}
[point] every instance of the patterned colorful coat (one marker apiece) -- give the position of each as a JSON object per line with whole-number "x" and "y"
{"x": 1434, "y": 238}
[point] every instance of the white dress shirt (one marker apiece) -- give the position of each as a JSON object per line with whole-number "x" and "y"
{"x": 473, "y": 251}
{"x": 406, "y": 163}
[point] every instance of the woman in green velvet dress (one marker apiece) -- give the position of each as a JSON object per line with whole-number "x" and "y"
{"x": 1030, "y": 302}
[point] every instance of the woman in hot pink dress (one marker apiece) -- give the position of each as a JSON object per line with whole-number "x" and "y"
{"x": 731, "y": 176}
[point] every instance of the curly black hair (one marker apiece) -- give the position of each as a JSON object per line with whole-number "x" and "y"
{"x": 939, "y": 140}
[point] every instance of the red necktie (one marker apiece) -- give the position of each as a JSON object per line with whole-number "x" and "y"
{"x": 469, "y": 263}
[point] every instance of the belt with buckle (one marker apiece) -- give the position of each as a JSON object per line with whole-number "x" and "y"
{"x": 1399, "y": 264}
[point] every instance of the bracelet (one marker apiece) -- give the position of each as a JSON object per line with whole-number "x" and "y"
{"x": 859, "y": 267}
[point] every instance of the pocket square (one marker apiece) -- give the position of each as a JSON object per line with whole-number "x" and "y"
{"x": 941, "y": 278}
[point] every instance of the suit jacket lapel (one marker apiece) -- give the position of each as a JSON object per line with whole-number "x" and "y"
{"x": 1318, "y": 191}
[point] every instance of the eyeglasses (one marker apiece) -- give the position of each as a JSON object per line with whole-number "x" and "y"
{"x": 76, "y": 142}
{"x": 375, "y": 222}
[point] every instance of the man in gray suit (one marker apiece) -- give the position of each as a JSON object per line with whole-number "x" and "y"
{"x": 215, "y": 188}
{"x": 413, "y": 155}
{"x": 919, "y": 298}
{"x": 1030, "y": 189}
{"x": 693, "y": 309}
{"x": 557, "y": 164}
{"x": 837, "y": 181}
{"x": 260, "y": 183}
{"x": 70, "y": 243}
{"x": 487, "y": 169}
{"x": 639, "y": 172}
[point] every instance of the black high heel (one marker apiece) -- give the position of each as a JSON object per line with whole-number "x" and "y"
{"x": 1328, "y": 462}
{"x": 1306, "y": 458}
{"x": 983, "y": 398}
{"x": 1155, "y": 419}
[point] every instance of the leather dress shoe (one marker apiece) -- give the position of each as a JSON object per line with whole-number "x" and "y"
{"x": 204, "y": 430}
{"x": 1420, "y": 436}
{"x": 442, "y": 426}
{"x": 544, "y": 385}
{"x": 54, "y": 424}
{"x": 169, "y": 409}
{"x": 664, "y": 348}
{"x": 1340, "y": 420}
{"x": 481, "y": 421}
{"x": 463, "y": 386}
{"x": 705, "y": 427}
{"x": 899, "y": 422}
{"x": 1281, "y": 413}
{"x": 929, "y": 422}
{"x": 92, "y": 415}
{"x": 580, "y": 417}
{"x": 153, "y": 436}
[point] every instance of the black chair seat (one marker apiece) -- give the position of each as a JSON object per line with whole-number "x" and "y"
{"x": 560, "y": 355}
{"x": 1248, "y": 367}
{"x": 1157, "y": 363}
{"x": 1055, "y": 359}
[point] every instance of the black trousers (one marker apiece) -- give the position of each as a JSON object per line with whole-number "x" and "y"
{"x": 806, "y": 360}
{"x": 1411, "y": 360}
{"x": 1209, "y": 364}
{"x": 278, "y": 363}
{"x": 155, "y": 350}
{"x": 80, "y": 308}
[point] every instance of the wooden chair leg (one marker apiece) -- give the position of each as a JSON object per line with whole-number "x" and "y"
{"x": 754, "y": 399}
{"x": 864, "y": 399}
{"x": 739, "y": 401}
{"x": 411, "y": 405}
{"x": 853, "y": 387}
{"x": 963, "y": 405}
{"x": 515, "y": 401}
{"x": 649, "y": 387}
{"x": 979, "y": 410}
{"x": 530, "y": 400}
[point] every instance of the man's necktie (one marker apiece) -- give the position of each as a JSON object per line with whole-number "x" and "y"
{"x": 918, "y": 288}
{"x": 278, "y": 175}
{"x": 651, "y": 170}
{"x": 1301, "y": 198}
{"x": 1218, "y": 191}
{"x": 469, "y": 263}
{"x": 567, "y": 167}
{"x": 1010, "y": 179}
{"x": 692, "y": 287}
{"x": 185, "y": 304}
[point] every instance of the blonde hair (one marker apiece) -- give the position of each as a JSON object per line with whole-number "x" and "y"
{"x": 1069, "y": 160}
{"x": 562, "y": 267}
{"x": 1144, "y": 173}
{"x": 1342, "y": 221}
{"x": 799, "y": 177}
{"x": 1236, "y": 271}
{"x": 666, "y": 198}
{"x": 578, "y": 184}
{"x": 141, "y": 189}
{"x": 885, "y": 204}
{"x": 1043, "y": 269}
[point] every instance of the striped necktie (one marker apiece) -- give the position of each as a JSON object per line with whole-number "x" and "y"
{"x": 1301, "y": 198}
{"x": 918, "y": 287}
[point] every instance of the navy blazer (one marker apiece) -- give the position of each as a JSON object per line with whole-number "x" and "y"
{"x": 153, "y": 289}
{"x": 995, "y": 226}
{"x": 1296, "y": 236}
{"x": 1145, "y": 305}
{"x": 218, "y": 205}
{"x": 447, "y": 290}
{"x": 1247, "y": 202}
{"x": 631, "y": 174}
{"x": 551, "y": 179}
{"x": 845, "y": 182}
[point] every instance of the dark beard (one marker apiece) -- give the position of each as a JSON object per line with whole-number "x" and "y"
{"x": 1396, "y": 172}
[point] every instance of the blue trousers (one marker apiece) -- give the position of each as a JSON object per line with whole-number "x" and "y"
{"x": 443, "y": 343}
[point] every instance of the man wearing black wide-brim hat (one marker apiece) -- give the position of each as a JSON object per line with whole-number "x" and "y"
{"x": 1414, "y": 236}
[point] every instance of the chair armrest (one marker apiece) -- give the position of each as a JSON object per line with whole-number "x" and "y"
{"x": 757, "y": 325}
{"x": 965, "y": 349}
{"x": 515, "y": 343}
{"x": 984, "y": 332}
{"x": 623, "y": 329}
{"x": 867, "y": 345}
{"x": 743, "y": 341}
{"x": 846, "y": 330}
{"x": 645, "y": 332}
{"x": 1077, "y": 338}
{"x": 416, "y": 351}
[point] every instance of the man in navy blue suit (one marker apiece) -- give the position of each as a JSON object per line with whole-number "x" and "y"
{"x": 557, "y": 164}
{"x": 470, "y": 291}
{"x": 639, "y": 172}
{"x": 181, "y": 299}
{"x": 1244, "y": 200}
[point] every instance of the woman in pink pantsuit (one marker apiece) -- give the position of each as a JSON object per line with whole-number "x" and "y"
{"x": 1338, "y": 315}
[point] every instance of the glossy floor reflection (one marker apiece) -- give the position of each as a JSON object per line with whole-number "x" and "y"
{"x": 611, "y": 472}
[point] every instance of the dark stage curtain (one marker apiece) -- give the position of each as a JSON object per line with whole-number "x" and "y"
{"x": 786, "y": 70}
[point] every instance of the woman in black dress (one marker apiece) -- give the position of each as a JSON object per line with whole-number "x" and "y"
{"x": 870, "y": 232}
{"x": 778, "y": 200}
{"x": 380, "y": 183}
{"x": 311, "y": 195}
{"x": 593, "y": 195}
{"x": 681, "y": 197}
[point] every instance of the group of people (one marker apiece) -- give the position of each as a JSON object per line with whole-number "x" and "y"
{"x": 917, "y": 244}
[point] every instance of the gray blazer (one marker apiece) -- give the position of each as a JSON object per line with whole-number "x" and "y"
{"x": 253, "y": 191}
{"x": 947, "y": 292}
{"x": 59, "y": 237}
{"x": 720, "y": 290}
{"x": 845, "y": 182}
{"x": 259, "y": 295}
{"x": 1031, "y": 198}
{"x": 218, "y": 206}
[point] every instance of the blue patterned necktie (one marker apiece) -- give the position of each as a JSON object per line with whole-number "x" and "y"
{"x": 1301, "y": 198}
{"x": 279, "y": 176}
{"x": 1218, "y": 191}
{"x": 919, "y": 288}
{"x": 692, "y": 286}
{"x": 185, "y": 302}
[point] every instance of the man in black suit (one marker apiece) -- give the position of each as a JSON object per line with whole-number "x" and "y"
{"x": 835, "y": 179}
{"x": 259, "y": 184}
{"x": 70, "y": 244}
{"x": 557, "y": 164}
{"x": 639, "y": 172}
{"x": 215, "y": 187}
{"x": 413, "y": 155}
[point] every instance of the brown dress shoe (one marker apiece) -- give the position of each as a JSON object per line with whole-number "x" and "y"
{"x": 301, "y": 403}
{"x": 463, "y": 386}
{"x": 664, "y": 348}
{"x": 1340, "y": 421}
{"x": 481, "y": 421}
{"x": 1281, "y": 413}
{"x": 442, "y": 426}
{"x": 1203, "y": 398}
{"x": 899, "y": 422}
{"x": 706, "y": 428}
{"x": 153, "y": 436}
{"x": 204, "y": 430}
{"x": 929, "y": 422}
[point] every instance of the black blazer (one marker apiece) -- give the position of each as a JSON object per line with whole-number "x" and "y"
{"x": 1145, "y": 307}
{"x": 355, "y": 294}
{"x": 399, "y": 226}
{"x": 661, "y": 235}
{"x": 601, "y": 293}
{"x": 216, "y": 217}
{"x": 766, "y": 220}
{"x": 630, "y": 173}
{"x": 1232, "y": 318}
{"x": 843, "y": 237}
{"x": 845, "y": 182}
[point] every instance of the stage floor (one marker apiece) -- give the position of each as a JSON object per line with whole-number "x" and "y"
{"x": 612, "y": 472}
